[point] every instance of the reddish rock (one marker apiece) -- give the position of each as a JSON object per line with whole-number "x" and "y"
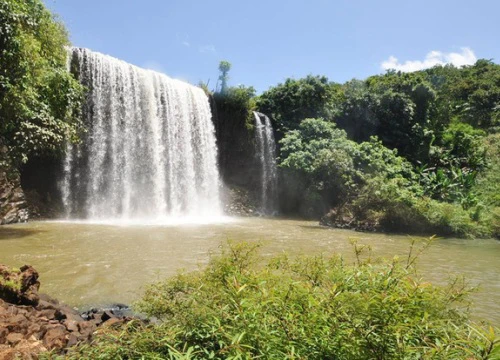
{"x": 45, "y": 305}
{"x": 97, "y": 318}
{"x": 34, "y": 330}
{"x": 32, "y": 323}
{"x": 25, "y": 288}
{"x": 55, "y": 337}
{"x": 29, "y": 349}
{"x": 66, "y": 312}
{"x": 3, "y": 334}
{"x": 86, "y": 329}
{"x": 71, "y": 325}
{"x": 14, "y": 338}
{"x": 74, "y": 316}
{"x": 73, "y": 339}
{"x": 48, "y": 314}
{"x": 19, "y": 322}
{"x": 8, "y": 353}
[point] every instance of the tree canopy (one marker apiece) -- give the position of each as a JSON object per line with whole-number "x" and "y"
{"x": 224, "y": 67}
{"x": 437, "y": 120}
{"x": 39, "y": 98}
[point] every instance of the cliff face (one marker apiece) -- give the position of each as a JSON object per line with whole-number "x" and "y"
{"x": 238, "y": 163}
{"x": 13, "y": 206}
{"x": 235, "y": 141}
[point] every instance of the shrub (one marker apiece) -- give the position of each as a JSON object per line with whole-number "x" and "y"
{"x": 400, "y": 207}
{"x": 314, "y": 307}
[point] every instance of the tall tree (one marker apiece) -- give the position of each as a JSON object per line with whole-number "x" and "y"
{"x": 224, "y": 67}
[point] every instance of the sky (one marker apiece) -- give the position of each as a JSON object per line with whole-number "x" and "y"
{"x": 267, "y": 41}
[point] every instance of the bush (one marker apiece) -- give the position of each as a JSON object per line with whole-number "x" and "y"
{"x": 312, "y": 307}
{"x": 400, "y": 207}
{"x": 488, "y": 184}
{"x": 333, "y": 167}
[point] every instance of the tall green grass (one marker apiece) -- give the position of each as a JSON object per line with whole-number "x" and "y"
{"x": 312, "y": 307}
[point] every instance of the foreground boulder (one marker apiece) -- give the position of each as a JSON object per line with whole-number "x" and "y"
{"x": 19, "y": 287}
{"x": 32, "y": 323}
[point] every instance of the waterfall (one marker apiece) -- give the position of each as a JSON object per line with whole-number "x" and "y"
{"x": 266, "y": 152}
{"x": 149, "y": 151}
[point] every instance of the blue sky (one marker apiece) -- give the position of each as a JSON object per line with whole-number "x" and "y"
{"x": 267, "y": 41}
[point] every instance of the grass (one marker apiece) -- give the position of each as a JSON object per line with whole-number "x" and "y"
{"x": 312, "y": 307}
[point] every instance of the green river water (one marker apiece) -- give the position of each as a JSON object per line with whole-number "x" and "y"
{"x": 86, "y": 264}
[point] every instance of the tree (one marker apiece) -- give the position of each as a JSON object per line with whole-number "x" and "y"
{"x": 288, "y": 104}
{"x": 357, "y": 111}
{"x": 333, "y": 168}
{"x": 224, "y": 67}
{"x": 39, "y": 98}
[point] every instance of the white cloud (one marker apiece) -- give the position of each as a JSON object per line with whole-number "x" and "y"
{"x": 186, "y": 43}
{"x": 466, "y": 57}
{"x": 207, "y": 49}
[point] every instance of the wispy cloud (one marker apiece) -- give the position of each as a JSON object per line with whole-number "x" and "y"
{"x": 465, "y": 57}
{"x": 207, "y": 49}
{"x": 183, "y": 39}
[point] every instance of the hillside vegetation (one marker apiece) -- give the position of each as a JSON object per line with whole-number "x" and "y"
{"x": 397, "y": 152}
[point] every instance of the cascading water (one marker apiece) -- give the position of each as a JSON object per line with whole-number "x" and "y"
{"x": 150, "y": 150}
{"x": 266, "y": 152}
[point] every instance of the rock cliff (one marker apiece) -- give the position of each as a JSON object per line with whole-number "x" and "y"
{"x": 13, "y": 206}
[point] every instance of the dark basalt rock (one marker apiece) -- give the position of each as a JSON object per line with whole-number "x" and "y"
{"x": 239, "y": 202}
{"x": 13, "y": 205}
{"x": 341, "y": 219}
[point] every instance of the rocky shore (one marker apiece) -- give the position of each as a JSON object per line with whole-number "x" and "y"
{"x": 33, "y": 323}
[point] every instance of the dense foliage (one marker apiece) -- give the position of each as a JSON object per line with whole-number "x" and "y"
{"x": 295, "y": 100}
{"x": 308, "y": 308}
{"x": 334, "y": 167}
{"x": 368, "y": 185}
{"x": 39, "y": 99}
{"x": 437, "y": 121}
{"x": 234, "y": 124}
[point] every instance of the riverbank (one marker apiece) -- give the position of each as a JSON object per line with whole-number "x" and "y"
{"x": 33, "y": 323}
